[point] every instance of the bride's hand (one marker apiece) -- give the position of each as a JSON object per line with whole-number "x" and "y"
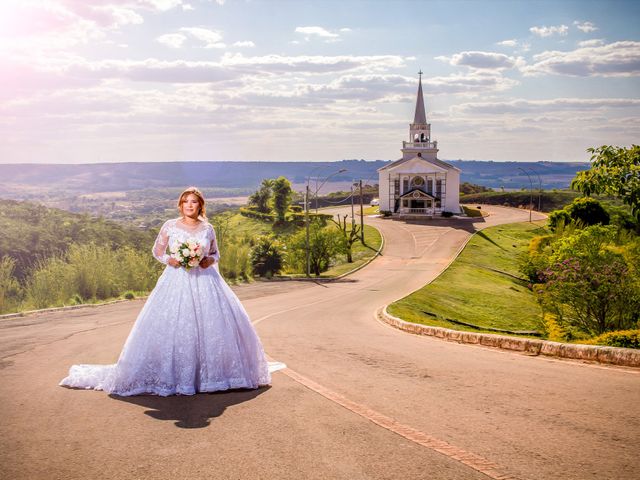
{"x": 173, "y": 262}
{"x": 207, "y": 262}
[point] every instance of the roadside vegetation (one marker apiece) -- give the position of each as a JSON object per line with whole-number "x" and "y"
{"x": 50, "y": 257}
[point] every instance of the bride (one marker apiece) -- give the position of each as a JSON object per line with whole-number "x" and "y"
{"x": 193, "y": 334}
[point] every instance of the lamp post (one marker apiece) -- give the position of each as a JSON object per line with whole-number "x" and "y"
{"x": 530, "y": 191}
{"x": 539, "y": 188}
{"x": 306, "y": 210}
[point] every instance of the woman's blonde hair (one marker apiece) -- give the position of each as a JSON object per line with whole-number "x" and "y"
{"x": 193, "y": 191}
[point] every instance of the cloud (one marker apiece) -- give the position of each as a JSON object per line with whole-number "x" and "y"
{"x": 210, "y": 38}
{"x": 508, "y": 43}
{"x": 172, "y": 40}
{"x": 545, "y": 106}
{"x": 586, "y": 27}
{"x": 187, "y": 7}
{"x": 244, "y": 44}
{"x": 321, "y": 33}
{"x": 594, "y": 42}
{"x": 618, "y": 59}
{"x": 310, "y": 64}
{"x": 545, "y": 31}
{"x": 318, "y": 31}
{"x": 481, "y": 60}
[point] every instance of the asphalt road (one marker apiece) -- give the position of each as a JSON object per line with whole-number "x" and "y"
{"x": 360, "y": 400}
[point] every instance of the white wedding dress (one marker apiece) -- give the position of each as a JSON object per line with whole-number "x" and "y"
{"x": 192, "y": 335}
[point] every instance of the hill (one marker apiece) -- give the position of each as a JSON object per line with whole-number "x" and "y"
{"x": 38, "y": 181}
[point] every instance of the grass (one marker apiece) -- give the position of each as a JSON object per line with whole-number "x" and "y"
{"x": 372, "y": 210}
{"x": 482, "y": 286}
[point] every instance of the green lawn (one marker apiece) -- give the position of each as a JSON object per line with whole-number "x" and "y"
{"x": 483, "y": 287}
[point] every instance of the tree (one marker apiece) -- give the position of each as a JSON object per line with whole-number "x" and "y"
{"x": 261, "y": 197}
{"x": 590, "y": 282}
{"x": 350, "y": 235}
{"x": 282, "y": 193}
{"x": 267, "y": 257}
{"x": 614, "y": 171}
{"x": 325, "y": 243}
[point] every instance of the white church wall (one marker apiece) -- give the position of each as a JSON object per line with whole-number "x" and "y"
{"x": 383, "y": 190}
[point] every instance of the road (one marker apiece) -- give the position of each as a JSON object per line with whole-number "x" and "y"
{"x": 359, "y": 400}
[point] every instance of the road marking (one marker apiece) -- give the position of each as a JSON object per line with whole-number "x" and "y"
{"x": 476, "y": 462}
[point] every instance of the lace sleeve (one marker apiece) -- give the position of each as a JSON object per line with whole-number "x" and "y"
{"x": 213, "y": 249}
{"x": 160, "y": 245}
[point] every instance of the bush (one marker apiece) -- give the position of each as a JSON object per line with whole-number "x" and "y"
{"x": 298, "y": 219}
{"x": 620, "y": 338}
{"x": 235, "y": 263}
{"x": 251, "y": 213}
{"x": 588, "y": 211}
{"x": 385, "y": 213}
{"x": 446, "y": 214}
{"x": 558, "y": 218}
{"x": 267, "y": 257}
{"x": 129, "y": 295}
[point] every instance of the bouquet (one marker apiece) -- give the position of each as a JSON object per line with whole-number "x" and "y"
{"x": 188, "y": 253}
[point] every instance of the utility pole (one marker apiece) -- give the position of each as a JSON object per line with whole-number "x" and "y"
{"x": 306, "y": 221}
{"x": 361, "y": 215}
{"x": 530, "y": 191}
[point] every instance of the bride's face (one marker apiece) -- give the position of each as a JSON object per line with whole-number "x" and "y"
{"x": 191, "y": 206}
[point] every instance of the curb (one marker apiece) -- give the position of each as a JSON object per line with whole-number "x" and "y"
{"x": 626, "y": 357}
{"x": 31, "y": 313}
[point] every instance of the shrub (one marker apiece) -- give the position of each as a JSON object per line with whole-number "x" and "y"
{"x": 9, "y": 286}
{"x": 251, "y": 213}
{"x": 588, "y": 211}
{"x": 267, "y": 257}
{"x": 558, "y": 218}
{"x": 129, "y": 295}
{"x": 446, "y": 214}
{"x": 385, "y": 213}
{"x": 235, "y": 262}
{"x": 620, "y": 338}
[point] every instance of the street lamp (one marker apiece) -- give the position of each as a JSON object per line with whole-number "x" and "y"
{"x": 306, "y": 209}
{"x": 539, "y": 188}
{"x": 530, "y": 191}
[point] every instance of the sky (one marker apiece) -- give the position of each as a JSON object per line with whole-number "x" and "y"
{"x": 87, "y": 81}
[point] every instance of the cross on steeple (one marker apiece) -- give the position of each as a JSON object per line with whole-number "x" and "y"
{"x": 420, "y": 73}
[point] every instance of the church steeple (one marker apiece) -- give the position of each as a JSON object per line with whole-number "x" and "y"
{"x": 420, "y": 143}
{"x": 420, "y": 117}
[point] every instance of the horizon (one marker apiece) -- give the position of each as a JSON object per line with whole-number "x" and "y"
{"x": 162, "y": 81}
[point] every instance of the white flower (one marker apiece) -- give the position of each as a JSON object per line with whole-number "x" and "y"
{"x": 185, "y": 252}
{"x": 174, "y": 247}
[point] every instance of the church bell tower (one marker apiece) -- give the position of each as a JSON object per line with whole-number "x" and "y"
{"x": 420, "y": 144}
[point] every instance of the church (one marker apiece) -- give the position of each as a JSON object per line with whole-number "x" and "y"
{"x": 419, "y": 185}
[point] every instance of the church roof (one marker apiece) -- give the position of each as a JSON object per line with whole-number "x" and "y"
{"x": 435, "y": 161}
{"x": 420, "y": 115}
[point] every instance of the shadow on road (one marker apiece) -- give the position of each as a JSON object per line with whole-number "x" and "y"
{"x": 191, "y": 411}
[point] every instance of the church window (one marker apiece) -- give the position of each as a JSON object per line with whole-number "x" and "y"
{"x": 438, "y": 188}
{"x": 417, "y": 182}
{"x": 405, "y": 185}
{"x": 430, "y": 185}
{"x": 405, "y": 203}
